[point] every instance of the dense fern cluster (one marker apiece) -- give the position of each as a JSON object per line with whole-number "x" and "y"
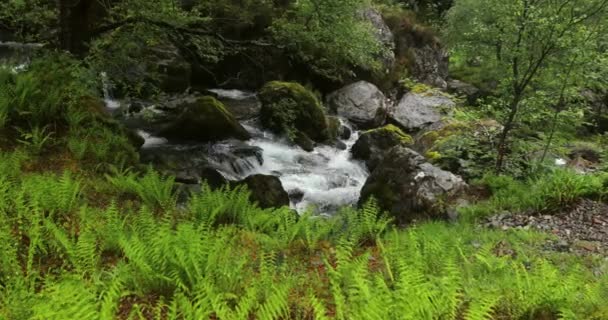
{"x": 50, "y": 108}
{"x": 143, "y": 255}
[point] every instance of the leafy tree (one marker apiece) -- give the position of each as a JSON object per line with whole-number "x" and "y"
{"x": 524, "y": 41}
{"x": 329, "y": 36}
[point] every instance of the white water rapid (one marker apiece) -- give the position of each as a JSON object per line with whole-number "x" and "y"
{"x": 326, "y": 178}
{"x": 322, "y": 180}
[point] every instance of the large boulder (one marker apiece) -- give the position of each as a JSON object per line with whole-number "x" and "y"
{"x": 430, "y": 64}
{"x": 362, "y": 103}
{"x": 419, "y": 50}
{"x": 383, "y": 34}
{"x": 372, "y": 144}
{"x": 419, "y": 110}
{"x": 243, "y": 105}
{"x": 266, "y": 190}
{"x": 409, "y": 188}
{"x": 174, "y": 71}
{"x": 289, "y": 108}
{"x": 204, "y": 120}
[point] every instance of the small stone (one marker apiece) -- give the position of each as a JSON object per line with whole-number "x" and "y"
{"x": 586, "y": 245}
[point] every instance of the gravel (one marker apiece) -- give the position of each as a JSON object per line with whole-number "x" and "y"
{"x": 582, "y": 228}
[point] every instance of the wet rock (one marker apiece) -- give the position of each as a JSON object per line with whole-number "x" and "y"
{"x": 341, "y": 145}
{"x": 266, "y": 190}
{"x": 235, "y": 158}
{"x": 205, "y": 120}
{"x": 419, "y": 110}
{"x": 409, "y": 188}
{"x": 243, "y": 105}
{"x": 296, "y": 195}
{"x": 188, "y": 166}
{"x": 212, "y": 177}
{"x": 344, "y": 133}
{"x": 372, "y": 144}
{"x": 362, "y": 103}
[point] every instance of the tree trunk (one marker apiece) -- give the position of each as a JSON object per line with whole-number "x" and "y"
{"x": 508, "y": 126}
{"x": 64, "y": 25}
{"x": 77, "y": 18}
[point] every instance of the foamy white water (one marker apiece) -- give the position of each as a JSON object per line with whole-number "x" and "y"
{"x": 151, "y": 141}
{"x": 107, "y": 97}
{"x": 326, "y": 178}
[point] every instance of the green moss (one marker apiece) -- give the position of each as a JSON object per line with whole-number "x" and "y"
{"x": 433, "y": 155}
{"x": 431, "y": 138}
{"x": 289, "y": 108}
{"x": 395, "y": 131}
{"x": 333, "y": 127}
{"x": 206, "y": 119}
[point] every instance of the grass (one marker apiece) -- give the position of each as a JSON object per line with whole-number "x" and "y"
{"x": 546, "y": 193}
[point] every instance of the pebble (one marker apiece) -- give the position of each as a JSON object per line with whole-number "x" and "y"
{"x": 582, "y": 228}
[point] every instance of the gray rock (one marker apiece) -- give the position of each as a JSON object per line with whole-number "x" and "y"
{"x": 418, "y": 111}
{"x": 383, "y": 34}
{"x": 361, "y": 102}
{"x": 243, "y": 105}
{"x": 174, "y": 71}
{"x": 428, "y": 58}
{"x": 409, "y": 188}
{"x": 372, "y": 145}
{"x": 463, "y": 89}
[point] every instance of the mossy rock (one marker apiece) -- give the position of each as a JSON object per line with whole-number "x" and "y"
{"x": 408, "y": 188}
{"x": 333, "y": 126}
{"x": 205, "y": 120}
{"x": 289, "y": 108}
{"x": 373, "y": 143}
{"x": 429, "y": 139}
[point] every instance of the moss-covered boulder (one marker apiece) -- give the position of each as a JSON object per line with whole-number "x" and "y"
{"x": 289, "y": 108}
{"x": 266, "y": 190}
{"x": 372, "y": 144}
{"x": 205, "y": 119}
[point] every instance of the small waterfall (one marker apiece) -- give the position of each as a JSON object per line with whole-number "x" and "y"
{"x": 151, "y": 141}
{"x": 326, "y": 178}
{"x": 110, "y": 102}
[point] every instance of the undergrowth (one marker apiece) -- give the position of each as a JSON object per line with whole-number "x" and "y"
{"x": 220, "y": 257}
{"x": 545, "y": 193}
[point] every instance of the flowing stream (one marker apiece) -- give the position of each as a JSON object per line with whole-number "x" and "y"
{"x": 323, "y": 180}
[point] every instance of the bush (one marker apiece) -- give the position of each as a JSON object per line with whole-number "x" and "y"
{"x": 547, "y": 193}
